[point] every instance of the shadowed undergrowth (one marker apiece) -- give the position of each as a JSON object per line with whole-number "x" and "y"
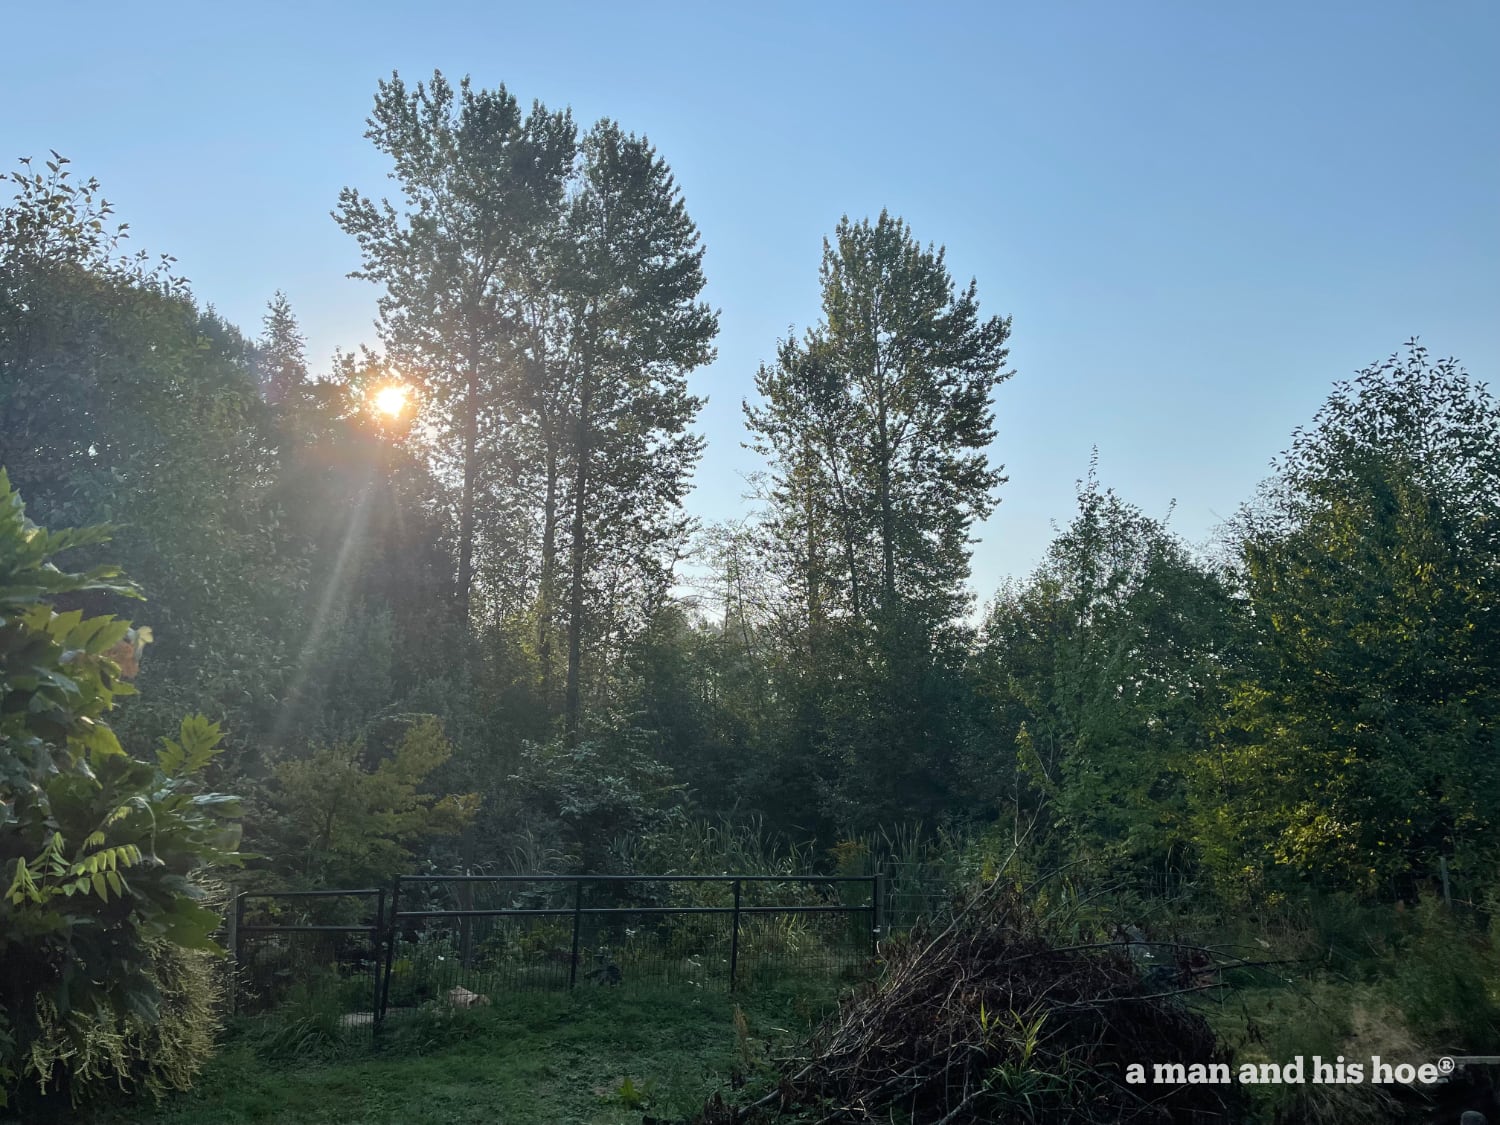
{"x": 596, "y": 1057}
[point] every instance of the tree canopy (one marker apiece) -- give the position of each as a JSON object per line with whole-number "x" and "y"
{"x": 1362, "y": 743}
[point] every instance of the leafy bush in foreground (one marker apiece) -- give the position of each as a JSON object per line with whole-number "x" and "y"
{"x": 99, "y": 913}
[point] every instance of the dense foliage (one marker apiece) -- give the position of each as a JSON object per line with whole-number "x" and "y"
{"x": 97, "y": 848}
{"x": 1361, "y": 742}
{"x": 344, "y": 823}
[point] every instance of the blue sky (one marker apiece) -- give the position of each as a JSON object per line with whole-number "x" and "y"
{"x": 1199, "y": 215}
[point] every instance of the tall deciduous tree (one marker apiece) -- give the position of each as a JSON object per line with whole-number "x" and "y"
{"x": 877, "y": 425}
{"x": 1102, "y": 676}
{"x": 632, "y": 277}
{"x": 122, "y": 402}
{"x": 482, "y": 186}
{"x": 545, "y": 288}
{"x": 75, "y": 380}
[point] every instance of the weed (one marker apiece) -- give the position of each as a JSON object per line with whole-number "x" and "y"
{"x": 632, "y": 1096}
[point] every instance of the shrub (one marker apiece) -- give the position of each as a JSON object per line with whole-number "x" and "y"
{"x": 345, "y": 821}
{"x": 100, "y": 913}
{"x": 84, "y": 1052}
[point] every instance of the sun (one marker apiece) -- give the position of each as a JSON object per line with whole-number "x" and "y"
{"x": 391, "y": 400}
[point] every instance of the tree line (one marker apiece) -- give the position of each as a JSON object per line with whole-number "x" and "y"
{"x": 467, "y": 637}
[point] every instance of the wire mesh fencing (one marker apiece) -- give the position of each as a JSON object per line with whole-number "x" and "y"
{"x": 315, "y": 951}
{"x": 466, "y": 938}
{"x": 917, "y": 892}
{"x": 358, "y": 956}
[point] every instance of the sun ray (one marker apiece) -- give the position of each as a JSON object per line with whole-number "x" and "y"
{"x": 322, "y": 617}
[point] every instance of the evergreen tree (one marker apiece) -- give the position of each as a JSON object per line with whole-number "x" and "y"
{"x": 281, "y": 355}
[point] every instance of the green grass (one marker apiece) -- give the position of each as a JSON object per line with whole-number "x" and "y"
{"x": 595, "y": 1057}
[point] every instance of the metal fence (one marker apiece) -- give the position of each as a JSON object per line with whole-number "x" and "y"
{"x": 321, "y": 948}
{"x": 914, "y": 892}
{"x": 462, "y": 939}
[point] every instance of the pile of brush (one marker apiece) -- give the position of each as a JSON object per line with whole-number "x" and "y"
{"x": 987, "y": 1020}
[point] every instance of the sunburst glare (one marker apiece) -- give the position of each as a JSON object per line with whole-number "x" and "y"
{"x": 393, "y": 399}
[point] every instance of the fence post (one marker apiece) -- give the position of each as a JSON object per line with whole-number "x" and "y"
{"x": 577, "y": 919}
{"x": 377, "y": 932}
{"x": 734, "y": 939}
{"x": 236, "y": 917}
{"x": 466, "y": 923}
{"x": 877, "y": 912}
{"x": 390, "y": 954}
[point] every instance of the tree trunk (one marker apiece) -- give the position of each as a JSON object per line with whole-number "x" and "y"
{"x": 571, "y": 708}
{"x": 813, "y": 559}
{"x": 884, "y": 456}
{"x": 546, "y": 586}
{"x": 846, "y": 522}
{"x": 887, "y": 540}
{"x": 466, "y": 505}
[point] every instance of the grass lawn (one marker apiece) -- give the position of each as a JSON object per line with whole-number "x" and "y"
{"x": 599, "y": 1056}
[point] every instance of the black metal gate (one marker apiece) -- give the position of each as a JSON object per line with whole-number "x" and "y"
{"x": 317, "y": 948}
